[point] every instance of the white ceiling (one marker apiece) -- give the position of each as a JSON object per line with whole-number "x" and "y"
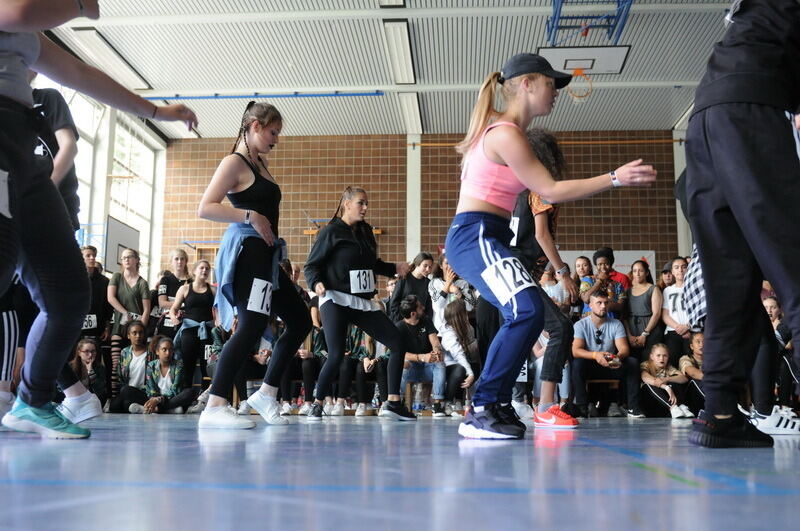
{"x": 235, "y": 47}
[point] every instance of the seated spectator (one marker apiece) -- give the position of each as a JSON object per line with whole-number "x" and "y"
{"x": 555, "y": 290}
{"x": 674, "y": 315}
{"x": 129, "y": 295}
{"x": 663, "y": 386}
{"x": 608, "y": 359}
{"x": 415, "y": 283}
{"x": 583, "y": 269}
{"x": 373, "y": 367}
{"x": 445, "y": 287}
{"x": 355, "y": 350}
{"x": 691, "y": 365}
{"x": 562, "y": 389}
{"x": 424, "y": 360}
{"x": 390, "y": 285}
{"x": 614, "y": 275}
{"x": 643, "y": 311}
{"x": 88, "y": 367}
{"x": 460, "y": 346}
{"x": 131, "y": 370}
{"x": 603, "y": 283}
{"x": 164, "y": 381}
{"x": 788, "y": 372}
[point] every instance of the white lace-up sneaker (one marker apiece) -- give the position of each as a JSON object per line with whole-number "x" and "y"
{"x": 136, "y": 409}
{"x": 286, "y": 408}
{"x": 84, "y": 407}
{"x": 676, "y": 412}
{"x": 224, "y": 417}
{"x": 305, "y": 408}
{"x": 787, "y": 412}
{"x": 687, "y": 413}
{"x": 268, "y": 407}
{"x": 327, "y": 408}
{"x": 244, "y": 408}
{"x": 337, "y": 410}
{"x": 361, "y": 410}
{"x": 776, "y": 424}
{"x": 524, "y": 411}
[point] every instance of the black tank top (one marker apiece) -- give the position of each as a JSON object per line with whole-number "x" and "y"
{"x": 263, "y": 196}
{"x": 197, "y": 306}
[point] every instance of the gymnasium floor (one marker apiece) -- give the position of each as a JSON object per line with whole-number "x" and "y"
{"x": 158, "y": 472}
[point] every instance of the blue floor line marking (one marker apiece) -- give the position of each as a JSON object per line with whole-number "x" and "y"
{"x": 374, "y": 489}
{"x": 733, "y": 482}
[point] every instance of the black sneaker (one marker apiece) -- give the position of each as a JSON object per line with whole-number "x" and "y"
{"x": 734, "y": 432}
{"x": 488, "y": 424}
{"x": 315, "y": 413}
{"x": 396, "y": 411}
{"x": 508, "y": 414}
{"x": 438, "y": 410}
{"x": 634, "y": 413}
{"x": 581, "y": 411}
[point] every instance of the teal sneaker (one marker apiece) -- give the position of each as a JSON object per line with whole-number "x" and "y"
{"x": 45, "y": 420}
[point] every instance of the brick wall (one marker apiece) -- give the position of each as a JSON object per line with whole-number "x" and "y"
{"x": 312, "y": 172}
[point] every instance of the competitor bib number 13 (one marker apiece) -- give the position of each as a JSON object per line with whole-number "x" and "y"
{"x": 362, "y": 281}
{"x": 260, "y": 300}
{"x": 506, "y": 278}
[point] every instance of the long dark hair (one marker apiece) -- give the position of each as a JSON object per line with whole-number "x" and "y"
{"x": 263, "y": 113}
{"x": 362, "y": 229}
{"x": 77, "y": 364}
{"x": 647, "y": 275}
{"x": 455, "y": 316}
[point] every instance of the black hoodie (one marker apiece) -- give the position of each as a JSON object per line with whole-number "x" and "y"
{"x": 338, "y": 251}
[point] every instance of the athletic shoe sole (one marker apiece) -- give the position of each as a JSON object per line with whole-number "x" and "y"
{"x": 715, "y": 441}
{"x": 27, "y": 426}
{"x": 260, "y": 406}
{"x": 313, "y": 419}
{"x": 386, "y": 414}
{"x": 468, "y": 431}
{"x": 554, "y": 426}
{"x": 87, "y": 413}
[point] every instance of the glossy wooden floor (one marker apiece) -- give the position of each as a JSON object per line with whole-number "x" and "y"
{"x": 159, "y": 472}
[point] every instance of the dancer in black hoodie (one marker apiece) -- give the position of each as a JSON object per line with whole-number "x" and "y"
{"x": 341, "y": 270}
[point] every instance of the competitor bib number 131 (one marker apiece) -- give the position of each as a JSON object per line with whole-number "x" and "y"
{"x": 260, "y": 300}
{"x": 362, "y": 281}
{"x": 506, "y": 278}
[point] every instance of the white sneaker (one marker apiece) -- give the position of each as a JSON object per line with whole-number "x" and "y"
{"x": 305, "y": 408}
{"x": 286, "y": 408}
{"x": 82, "y": 408}
{"x": 268, "y": 407}
{"x": 204, "y": 396}
{"x": 244, "y": 408}
{"x": 675, "y": 411}
{"x": 776, "y": 424}
{"x": 687, "y": 413}
{"x": 337, "y": 410}
{"x": 615, "y": 411}
{"x": 6, "y": 403}
{"x": 327, "y": 408}
{"x": 136, "y": 409}
{"x": 224, "y": 417}
{"x": 361, "y": 410}
{"x": 524, "y": 411}
{"x": 787, "y": 412}
{"x": 196, "y": 408}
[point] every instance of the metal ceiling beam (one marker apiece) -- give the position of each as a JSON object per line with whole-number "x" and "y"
{"x": 182, "y": 19}
{"x": 464, "y": 87}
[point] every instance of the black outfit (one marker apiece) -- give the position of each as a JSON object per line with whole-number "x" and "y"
{"x": 742, "y": 169}
{"x": 167, "y": 285}
{"x": 654, "y": 401}
{"x": 99, "y": 306}
{"x": 787, "y": 372}
{"x": 9, "y": 333}
{"x": 51, "y": 104}
{"x": 197, "y": 307}
{"x": 364, "y": 392}
{"x": 339, "y": 250}
{"x": 415, "y": 336}
{"x": 410, "y": 285}
{"x": 306, "y": 370}
{"x": 37, "y": 239}
{"x": 255, "y": 261}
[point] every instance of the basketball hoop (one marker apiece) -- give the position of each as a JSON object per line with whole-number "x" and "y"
{"x": 580, "y": 87}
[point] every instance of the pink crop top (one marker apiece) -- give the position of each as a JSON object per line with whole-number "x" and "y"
{"x": 487, "y": 180}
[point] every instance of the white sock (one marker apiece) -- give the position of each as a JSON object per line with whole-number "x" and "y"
{"x": 7, "y": 396}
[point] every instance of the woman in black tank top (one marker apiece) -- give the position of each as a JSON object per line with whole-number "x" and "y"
{"x": 249, "y": 278}
{"x": 194, "y": 321}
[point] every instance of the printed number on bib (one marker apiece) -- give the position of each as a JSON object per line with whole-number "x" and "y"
{"x": 90, "y": 322}
{"x": 523, "y": 374}
{"x": 260, "y": 300}
{"x": 506, "y": 278}
{"x": 362, "y": 281}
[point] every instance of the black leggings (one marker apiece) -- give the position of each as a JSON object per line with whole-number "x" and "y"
{"x": 347, "y": 372}
{"x": 127, "y": 395}
{"x": 192, "y": 350}
{"x": 677, "y": 346}
{"x": 764, "y": 373}
{"x": 654, "y": 401}
{"x": 456, "y": 374}
{"x": 255, "y": 261}
{"x": 38, "y": 241}
{"x": 787, "y": 378}
{"x": 305, "y": 369}
{"x": 695, "y": 397}
{"x": 378, "y": 374}
{"x": 335, "y": 319}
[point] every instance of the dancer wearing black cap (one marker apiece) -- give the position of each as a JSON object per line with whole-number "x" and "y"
{"x": 498, "y": 164}
{"x": 743, "y": 167}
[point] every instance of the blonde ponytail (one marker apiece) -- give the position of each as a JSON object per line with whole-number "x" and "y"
{"x": 482, "y": 113}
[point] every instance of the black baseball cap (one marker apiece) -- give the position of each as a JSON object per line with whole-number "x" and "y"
{"x": 530, "y": 63}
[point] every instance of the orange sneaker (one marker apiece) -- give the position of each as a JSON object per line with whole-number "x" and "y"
{"x": 554, "y": 418}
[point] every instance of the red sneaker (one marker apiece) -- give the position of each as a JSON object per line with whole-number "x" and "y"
{"x": 554, "y": 418}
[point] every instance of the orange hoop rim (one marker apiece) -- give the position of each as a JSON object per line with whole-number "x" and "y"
{"x": 579, "y": 73}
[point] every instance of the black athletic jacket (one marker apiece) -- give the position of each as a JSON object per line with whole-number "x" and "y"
{"x": 758, "y": 59}
{"x": 338, "y": 251}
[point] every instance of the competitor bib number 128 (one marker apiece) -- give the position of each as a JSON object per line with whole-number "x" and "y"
{"x": 362, "y": 281}
{"x": 506, "y": 278}
{"x": 260, "y": 300}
